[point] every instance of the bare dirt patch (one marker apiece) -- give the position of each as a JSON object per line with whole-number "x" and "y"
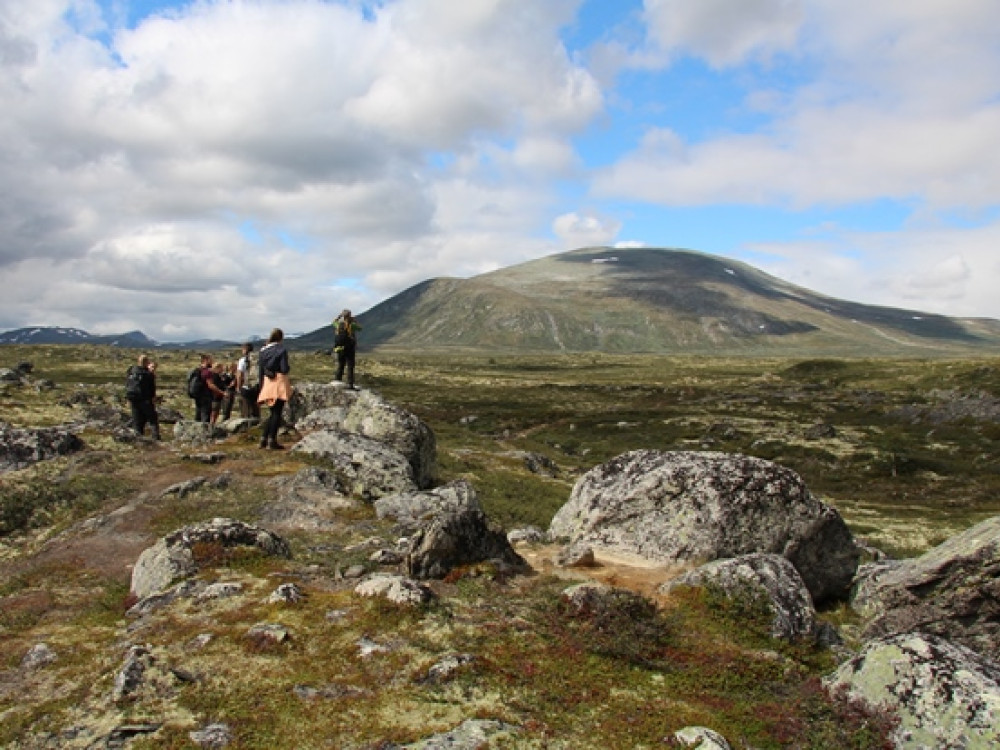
{"x": 621, "y": 571}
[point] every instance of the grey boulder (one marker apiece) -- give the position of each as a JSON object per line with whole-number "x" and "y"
{"x": 463, "y": 537}
{"x": 409, "y": 509}
{"x": 363, "y": 466}
{"x": 770, "y": 577}
{"x": 173, "y": 556}
{"x": 22, "y": 447}
{"x": 943, "y": 694}
{"x": 675, "y": 507}
{"x": 952, "y": 590}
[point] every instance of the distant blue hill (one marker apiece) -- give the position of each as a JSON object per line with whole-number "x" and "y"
{"x": 128, "y": 340}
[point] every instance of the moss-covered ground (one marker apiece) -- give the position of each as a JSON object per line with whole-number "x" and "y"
{"x": 905, "y": 449}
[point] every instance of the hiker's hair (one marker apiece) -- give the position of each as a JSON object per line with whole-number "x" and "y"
{"x": 276, "y": 335}
{"x": 143, "y": 360}
{"x": 248, "y": 347}
{"x": 205, "y": 357}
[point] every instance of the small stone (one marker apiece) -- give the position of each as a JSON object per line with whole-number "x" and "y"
{"x": 38, "y": 656}
{"x": 212, "y": 736}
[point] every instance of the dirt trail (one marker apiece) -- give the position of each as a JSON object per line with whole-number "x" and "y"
{"x": 109, "y": 542}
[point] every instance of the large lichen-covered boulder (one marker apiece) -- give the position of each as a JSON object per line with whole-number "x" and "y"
{"x": 365, "y": 467}
{"x": 943, "y": 694}
{"x": 22, "y": 447}
{"x": 375, "y": 418}
{"x": 675, "y": 507}
{"x": 463, "y": 537}
{"x": 952, "y": 590}
{"x": 333, "y": 408}
{"x": 308, "y": 398}
{"x": 173, "y": 556}
{"x": 410, "y": 509}
{"x": 313, "y": 498}
{"x": 767, "y": 576}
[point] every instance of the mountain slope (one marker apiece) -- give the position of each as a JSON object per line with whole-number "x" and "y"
{"x": 653, "y": 300}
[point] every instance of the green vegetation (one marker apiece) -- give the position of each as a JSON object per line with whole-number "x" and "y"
{"x": 905, "y": 449}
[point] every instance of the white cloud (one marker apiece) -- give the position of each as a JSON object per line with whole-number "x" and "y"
{"x": 944, "y": 271}
{"x": 586, "y": 230}
{"x": 724, "y": 32}
{"x": 903, "y": 105}
{"x": 127, "y": 172}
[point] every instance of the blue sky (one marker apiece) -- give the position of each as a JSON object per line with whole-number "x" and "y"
{"x": 216, "y": 168}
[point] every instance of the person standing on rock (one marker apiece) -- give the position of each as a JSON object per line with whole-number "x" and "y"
{"x": 345, "y": 342}
{"x": 276, "y": 387}
{"x": 140, "y": 390}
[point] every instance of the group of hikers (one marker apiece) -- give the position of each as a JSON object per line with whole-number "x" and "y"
{"x": 214, "y": 386}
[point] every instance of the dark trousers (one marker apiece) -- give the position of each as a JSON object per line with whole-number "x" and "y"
{"x": 248, "y": 402}
{"x": 227, "y": 404}
{"x": 345, "y": 360}
{"x": 203, "y": 408}
{"x": 273, "y": 423}
{"x": 144, "y": 413}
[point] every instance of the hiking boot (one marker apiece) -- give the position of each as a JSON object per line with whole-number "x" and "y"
{"x": 275, "y": 447}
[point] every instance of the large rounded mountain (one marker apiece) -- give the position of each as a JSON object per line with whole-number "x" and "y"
{"x": 651, "y": 300}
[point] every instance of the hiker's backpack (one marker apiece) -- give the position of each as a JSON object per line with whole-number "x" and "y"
{"x": 133, "y": 383}
{"x": 195, "y": 385}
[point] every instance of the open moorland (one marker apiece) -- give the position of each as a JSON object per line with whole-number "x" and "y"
{"x": 906, "y": 450}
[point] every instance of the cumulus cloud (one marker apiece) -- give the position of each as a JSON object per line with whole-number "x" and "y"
{"x": 586, "y": 230}
{"x": 948, "y": 271}
{"x": 252, "y": 155}
{"x": 900, "y": 103}
{"x": 724, "y": 32}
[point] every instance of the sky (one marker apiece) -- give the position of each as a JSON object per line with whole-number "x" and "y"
{"x": 213, "y": 169}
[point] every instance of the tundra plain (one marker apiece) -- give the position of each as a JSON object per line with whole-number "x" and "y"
{"x": 905, "y": 449}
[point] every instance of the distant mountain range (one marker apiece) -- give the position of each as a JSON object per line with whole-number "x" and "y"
{"x": 633, "y": 300}
{"x": 129, "y": 340}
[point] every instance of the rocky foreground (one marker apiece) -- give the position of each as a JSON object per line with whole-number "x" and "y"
{"x": 237, "y": 611}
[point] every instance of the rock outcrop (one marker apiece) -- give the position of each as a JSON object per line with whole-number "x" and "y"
{"x": 952, "y": 591}
{"x": 389, "y": 424}
{"x": 364, "y": 467}
{"x": 331, "y": 407}
{"x": 189, "y": 431}
{"x": 309, "y": 499}
{"x": 771, "y": 577}
{"x": 672, "y": 507}
{"x": 944, "y": 695}
{"x": 410, "y": 509}
{"x": 22, "y": 447}
{"x": 460, "y": 538}
{"x": 312, "y": 398}
{"x": 173, "y": 556}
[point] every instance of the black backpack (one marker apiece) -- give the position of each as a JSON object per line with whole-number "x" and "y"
{"x": 133, "y": 383}
{"x": 195, "y": 385}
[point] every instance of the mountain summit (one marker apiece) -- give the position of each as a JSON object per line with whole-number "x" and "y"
{"x": 653, "y": 300}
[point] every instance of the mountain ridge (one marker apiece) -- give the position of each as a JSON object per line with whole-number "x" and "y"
{"x": 653, "y": 300}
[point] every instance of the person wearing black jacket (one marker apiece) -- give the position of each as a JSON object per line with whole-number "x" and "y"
{"x": 143, "y": 398}
{"x": 276, "y": 387}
